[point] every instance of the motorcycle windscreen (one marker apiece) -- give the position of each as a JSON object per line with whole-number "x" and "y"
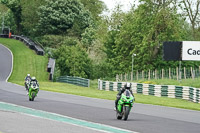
{"x": 127, "y": 93}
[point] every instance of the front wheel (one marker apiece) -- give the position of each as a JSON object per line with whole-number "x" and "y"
{"x": 119, "y": 117}
{"x": 33, "y": 96}
{"x": 126, "y": 112}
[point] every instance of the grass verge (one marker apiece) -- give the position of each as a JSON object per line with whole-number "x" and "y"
{"x": 111, "y": 95}
{"x": 26, "y": 61}
{"x": 183, "y": 82}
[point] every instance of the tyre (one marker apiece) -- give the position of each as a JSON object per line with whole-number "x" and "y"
{"x": 126, "y": 112}
{"x": 118, "y": 114}
{"x": 119, "y": 117}
{"x": 33, "y": 96}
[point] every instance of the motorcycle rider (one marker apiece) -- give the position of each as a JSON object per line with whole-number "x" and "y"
{"x": 33, "y": 79}
{"x": 28, "y": 77}
{"x": 126, "y": 86}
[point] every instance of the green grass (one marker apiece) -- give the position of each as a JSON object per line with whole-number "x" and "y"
{"x": 111, "y": 95}
{"x": 183, "y": 82}
{"x": 26, "y": 61}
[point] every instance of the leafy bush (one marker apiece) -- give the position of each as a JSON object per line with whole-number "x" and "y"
{"x": 73, "y": 61}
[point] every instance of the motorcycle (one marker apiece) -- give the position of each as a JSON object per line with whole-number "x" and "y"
{"x": 33, "y": 91}
{"x": 26, "y": 84}
{"x": 124, "y": 105}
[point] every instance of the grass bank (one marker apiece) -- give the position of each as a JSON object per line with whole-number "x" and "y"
{"x": 26, "y": 61}
{"x": 183, "y": 82}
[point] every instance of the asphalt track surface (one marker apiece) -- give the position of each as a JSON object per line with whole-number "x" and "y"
{"x": 143, "y": 118}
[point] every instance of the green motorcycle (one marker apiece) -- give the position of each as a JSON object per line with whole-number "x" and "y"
{"x": 124, "y": 105}
{"x": 33, "y": 91}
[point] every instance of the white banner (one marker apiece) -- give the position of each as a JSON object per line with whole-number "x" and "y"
{"x": 191, "y": 50}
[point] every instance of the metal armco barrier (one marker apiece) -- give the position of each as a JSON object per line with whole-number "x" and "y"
{"x": 171, "y": 91}
{"x": 74, "y": 80}
{"x": 30, "y": 43}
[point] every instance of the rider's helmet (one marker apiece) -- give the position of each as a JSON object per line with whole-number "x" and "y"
{"x": 33, "y": 78}
{"x": 28, "y": 75}
{"x": 127, "y": 86}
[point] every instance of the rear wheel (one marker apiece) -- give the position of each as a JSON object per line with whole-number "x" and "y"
{"x": 126, "y": 112}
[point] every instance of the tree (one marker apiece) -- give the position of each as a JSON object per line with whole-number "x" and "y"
{"x": 58, "y": 16}
{"x": 7, "y": 18}
{"x": 30, "y": 17}
{"x": 191, "y": 10}
{"x": 88, "y": 37}
{"x": 15, "y": 7}
{"x": 73, "y": 61}
{"x": 96, "y": 7}
{"x": 115, "y": 23}
{"x": 3, "y": 9}
{"x": 142, "y": 32}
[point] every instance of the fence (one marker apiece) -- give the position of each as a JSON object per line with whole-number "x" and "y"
{"x": 74, "y": 80}
{"x": 38, "y": 49}
{"x": 171, "y": 91}
{"x": 30, "y": 43}
{"x": 170, "y": 73}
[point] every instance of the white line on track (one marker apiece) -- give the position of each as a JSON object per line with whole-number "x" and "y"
{"x": 12, "y": 62}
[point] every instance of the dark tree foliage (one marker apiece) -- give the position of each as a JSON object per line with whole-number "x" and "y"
{"x": 15, "y": 7}
{"x": 59, "y": 16}
{"x": 29, "y": 16}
